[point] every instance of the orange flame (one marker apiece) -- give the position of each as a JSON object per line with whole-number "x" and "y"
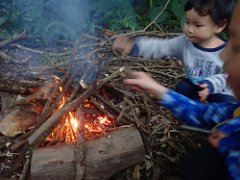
{"x": 67, "y": 129}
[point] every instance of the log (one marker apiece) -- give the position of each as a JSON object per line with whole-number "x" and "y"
{"x": 105, "y": 156}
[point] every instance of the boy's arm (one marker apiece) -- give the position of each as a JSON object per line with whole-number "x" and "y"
{"x": 196, "y": 113}
{"x": 192, "y": 112}
{"x": 230, "y": 126}
{"x": 157, "y": 48}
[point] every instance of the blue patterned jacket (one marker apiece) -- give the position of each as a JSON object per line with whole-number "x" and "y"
{"x": 225, "y": 115}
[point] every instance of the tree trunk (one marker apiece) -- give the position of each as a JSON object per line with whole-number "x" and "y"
{"x": 104, "y": 157}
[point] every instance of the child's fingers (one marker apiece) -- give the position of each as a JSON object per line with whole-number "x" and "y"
{"x": 138, "y": 75}
{"x": 215, "y": 137}
{"x": 203, "y": 85}
{"x": 203, "y": 94}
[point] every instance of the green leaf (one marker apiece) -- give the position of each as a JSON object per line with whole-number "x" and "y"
{"x": 178, "y": 8}
{"x": 155, "y": 11}
{"x": 2, "y": 20}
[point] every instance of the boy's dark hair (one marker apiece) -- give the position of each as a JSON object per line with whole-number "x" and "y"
{"x": 218, "y": 10}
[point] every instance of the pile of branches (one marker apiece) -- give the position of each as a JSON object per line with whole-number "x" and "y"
{"x": 91, "y": 63}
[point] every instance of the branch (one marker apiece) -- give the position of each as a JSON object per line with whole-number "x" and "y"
{"x": 12, "y": 39}
{"x": 160, "y": 13}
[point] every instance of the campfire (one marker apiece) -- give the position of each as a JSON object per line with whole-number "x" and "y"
{"x": 67, "y": 130}
{"x": 91, "y": 122}
{"x": 81, "y": 120}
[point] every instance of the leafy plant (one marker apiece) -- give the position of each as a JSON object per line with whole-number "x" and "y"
{"x": 178, "y": 10}
{"x": 115, "y": 15}
{"x": 54, "y": 19}
{"x": 8, "y": 18}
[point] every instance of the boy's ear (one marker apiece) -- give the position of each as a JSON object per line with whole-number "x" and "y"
{"x": 222, "y": 26}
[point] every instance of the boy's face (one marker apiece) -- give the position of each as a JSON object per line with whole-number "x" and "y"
{"x": 231, "y": 53}
{"x": 200, "y": 29}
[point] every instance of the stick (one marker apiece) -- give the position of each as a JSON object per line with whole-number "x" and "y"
{"x": 12, "y": 39}
{"x": 40, "y": 52}
{"x": 195, "y": 129}
{"x": 80, "y": 150}
{"x": 43, "y": 131}
{"x": 129, "y": 119}
{"x": 25, "y": 169}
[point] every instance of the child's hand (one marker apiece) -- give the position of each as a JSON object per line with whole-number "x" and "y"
{"x": 215, "y": 138}
{"x": 122, "y": 45}
{"x": 142, "y": 81}
{"x": 203, "y": 94}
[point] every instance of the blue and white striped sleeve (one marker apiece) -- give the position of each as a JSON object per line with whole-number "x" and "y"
{"x": 231, "y": 126}
{"x": 196, "y": 113}
{"x": 229, "y": 147}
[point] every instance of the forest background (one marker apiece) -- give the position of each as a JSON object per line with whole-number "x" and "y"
{"x": 54, "y": 19}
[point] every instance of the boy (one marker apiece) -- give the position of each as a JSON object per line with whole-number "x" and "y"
{"x": 221, "y": 160}
{"x": 198, "y": 49}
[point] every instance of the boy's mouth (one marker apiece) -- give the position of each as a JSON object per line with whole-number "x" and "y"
{"x": 191, "y": 38}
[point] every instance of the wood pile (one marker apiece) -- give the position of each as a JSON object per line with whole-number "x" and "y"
{"x": 87, "y": 69}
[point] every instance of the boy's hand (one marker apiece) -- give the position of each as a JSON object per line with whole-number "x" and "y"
{"x": 122, "y": 45}
{"x": 142, "y": 81}
{"x": 203, "y": 94}
{"x": 215, "y": 138}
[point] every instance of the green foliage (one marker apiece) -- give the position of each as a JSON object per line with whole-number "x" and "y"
{"x": 8, "y": 19}
{"x": 178, "y": 10}
{"x": 172, "y": 14}
{"x": 115, "y": 15}
{"x": 54, "y": 19}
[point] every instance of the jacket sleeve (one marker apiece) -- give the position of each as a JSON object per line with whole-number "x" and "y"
{"x": 195, "y": 113}
{"x": 229, "y": 148}
{"x": 231, "y": 126}
{"x": 216, "y": 83}
{"x": 156, "y": 47}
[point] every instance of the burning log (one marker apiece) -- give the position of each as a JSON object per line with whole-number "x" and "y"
{"x": 105, "y": 156}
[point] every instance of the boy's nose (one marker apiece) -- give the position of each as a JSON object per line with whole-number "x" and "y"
{"x": 189, "y": 29}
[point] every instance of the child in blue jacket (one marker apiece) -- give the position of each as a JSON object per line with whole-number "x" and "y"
{"x": 221, "y": 160}
{"x": 198, "y": 49}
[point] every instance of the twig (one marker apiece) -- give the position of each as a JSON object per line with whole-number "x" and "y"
{"x": 129, "y": 119}
{"x": 47, "y": 127}
{"x": 100, "y": 107}
{"x": 125, "y": 107}
{"x": 159, "y": 14}
{"x": 12, "y": 39}
{"x": 25, "y": 169}
{"x": 145, "y": 29}
{"x": 80, "y": 146}
{"x": 146, "y": 33}
{"x": 40, "y": 52}
{"x": 4, "y": 57}
{"x": 161, "y": 73}
{"x": 110, "y": 77}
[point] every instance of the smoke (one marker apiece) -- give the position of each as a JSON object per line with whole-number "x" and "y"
{"x": 54, "y": 19}
{"x": 66, "y": 19}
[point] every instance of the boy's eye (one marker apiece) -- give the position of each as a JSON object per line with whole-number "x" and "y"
{"x": 199, "y": 25}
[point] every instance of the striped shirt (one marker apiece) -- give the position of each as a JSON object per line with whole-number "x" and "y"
{"x": 223, "y": 116}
